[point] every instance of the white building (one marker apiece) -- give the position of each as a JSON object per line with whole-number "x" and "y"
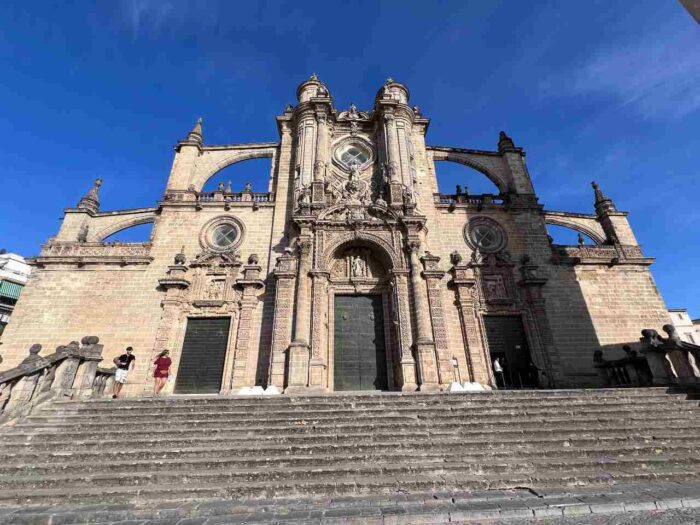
{"x": 14, "y": 272}
{"x": 688, "y": 329}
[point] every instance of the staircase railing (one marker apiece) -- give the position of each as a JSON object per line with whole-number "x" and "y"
{"x": 70, "y": 372}
{"x": 631, "y": 370}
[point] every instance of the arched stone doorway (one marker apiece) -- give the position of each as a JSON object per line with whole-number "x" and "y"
{"x": 362, "y": 350}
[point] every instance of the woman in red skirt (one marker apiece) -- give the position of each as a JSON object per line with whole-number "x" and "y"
{"x": 161, "y": 371}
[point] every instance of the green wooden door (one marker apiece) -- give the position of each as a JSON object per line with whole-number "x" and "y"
{"x": 202, "y": 362}
{"x": 359, "y": 352}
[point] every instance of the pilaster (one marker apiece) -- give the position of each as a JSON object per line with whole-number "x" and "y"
{"x": 298, "y": 353}
{"x": 433, "y": 277}
{"x": 424, "y": 344}
{"x": 403, "y": 328}
{"x": 251, "y": 285}
{"x": 285, "y": 274}
{"x": 478, "y": 362}
{"x": 319, "y": 335}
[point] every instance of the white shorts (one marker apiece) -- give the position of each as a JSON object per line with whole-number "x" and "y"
{"x": 120, "y": 375}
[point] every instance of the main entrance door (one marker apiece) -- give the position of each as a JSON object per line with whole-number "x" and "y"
{"x": 360, "y": 352}
{"x": 203, "y": 352}
{"x": 507, "y": 341}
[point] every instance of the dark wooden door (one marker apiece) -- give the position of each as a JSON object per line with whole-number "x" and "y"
{"x": 360, "y": 352}
{"x": 506, "y": 338}
{"x": 203, "y": 353}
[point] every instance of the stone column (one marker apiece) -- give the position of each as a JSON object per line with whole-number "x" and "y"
{"x": 319, "y": 334}
{"x": 298, "y": 379}
{"x": 393, "y": 161}
{"x": 284, "y": 274}
{"x": 318, "y": 196}
{"x": 478, "y": 363}
{"x": 250, "y": 287}
{"x": 402, "y": 313}
{"x": 306, "y": 146}
{"x": 433, "y": 277}
{"x": 425, "y": 346}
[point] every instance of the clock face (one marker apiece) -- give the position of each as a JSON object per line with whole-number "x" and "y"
{"x": 224, "y": 235}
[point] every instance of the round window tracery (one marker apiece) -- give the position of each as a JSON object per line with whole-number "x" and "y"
{"x": 353, "y": 154}
{"x": 485, "y": 234}
{"x": 222, "y": 234}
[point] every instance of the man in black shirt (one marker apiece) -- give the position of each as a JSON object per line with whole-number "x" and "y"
{"x": 124, "y": 362}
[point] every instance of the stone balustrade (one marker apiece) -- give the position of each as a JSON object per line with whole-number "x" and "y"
{"x": 629, "y": 371}
{"x": 244, "y": 196}
{"x": 672, "y": 361}
{"x": 80, "y": 253}
{"x": 70, "y": 372}
{"x": 464, "y": 199}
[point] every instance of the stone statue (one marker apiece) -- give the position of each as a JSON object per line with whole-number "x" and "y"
{"x": 458, "y": 191}
{"x": 221, "y": 187}
{"x": 455, "y": 258}
{"x": 228, "y": 187}
{"x": 253, "y": 258}
{"x": 248, "y": 187}
{"x": 83, "y": 233}
{"x": 581, "y": 240}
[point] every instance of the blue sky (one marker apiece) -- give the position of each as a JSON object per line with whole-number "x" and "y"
{"x": 593, "y": 90}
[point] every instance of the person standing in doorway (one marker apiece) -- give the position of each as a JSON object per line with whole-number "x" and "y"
{"x": 161, "y": 371}
{"x": 498, "y": 372}
{"x": 125, "y": 363}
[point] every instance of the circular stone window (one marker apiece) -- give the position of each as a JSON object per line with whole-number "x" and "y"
{"x": 222, "y": 234}
{"x": 484, "y": 234}
{"x": 353, "y": 154}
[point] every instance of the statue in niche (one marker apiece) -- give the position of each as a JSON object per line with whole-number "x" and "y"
{"x": 305, "y": 195}
{"x": 358, "y": 266}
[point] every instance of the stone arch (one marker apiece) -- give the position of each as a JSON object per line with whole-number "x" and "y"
{"x": 384, "y": 249}
{"x": 465, "y": 160}
{"x": 576, "y": 226}
{"x": 116, "y": 227}
{"x": 215, "y": 161}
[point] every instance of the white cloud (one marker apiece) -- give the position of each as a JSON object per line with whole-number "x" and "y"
{"x": 656, "y": 76}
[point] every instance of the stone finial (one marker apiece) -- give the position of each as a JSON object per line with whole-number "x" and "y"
{"x": 289, "y": 108}
{"x": 313, "y": 77}
{"x": 505, "y": 143}
{"x": 196, "y": 134}
{"x": 253, "y": 258}
{"x": 83, "y": 233}
{"x": 248, "y": 188}
{"x": 180, "y": 257}
{"x": 455, "y": 258}
{"x": 228, "y": 187}
{"x": 91, "y": 200}
{"x": 389, "y": 80}
{"x": 603, "y": 203}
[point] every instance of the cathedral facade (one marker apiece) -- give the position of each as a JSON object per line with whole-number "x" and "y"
{"x": 352, "y": 272}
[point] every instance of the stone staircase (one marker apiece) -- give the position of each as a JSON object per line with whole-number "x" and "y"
{"x": 182, "y": 448}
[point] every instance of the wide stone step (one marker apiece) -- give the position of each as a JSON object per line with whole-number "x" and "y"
{"x": 184, "y": 416}
{"x": 335, "y": 442}
{"x": 148, "y": 461}
{"x": 260, "y": 428}
{"x": 312, "y": 403}
{"x": 386, "y": 399}
{"x": 169, "y": 439}
{"x": 77, "y": 453}
{"x": 335, "y": 485}
{"x": 224, "y": 474}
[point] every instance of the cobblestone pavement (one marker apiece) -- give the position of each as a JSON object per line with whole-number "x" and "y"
{"x": 634, "y": 504}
